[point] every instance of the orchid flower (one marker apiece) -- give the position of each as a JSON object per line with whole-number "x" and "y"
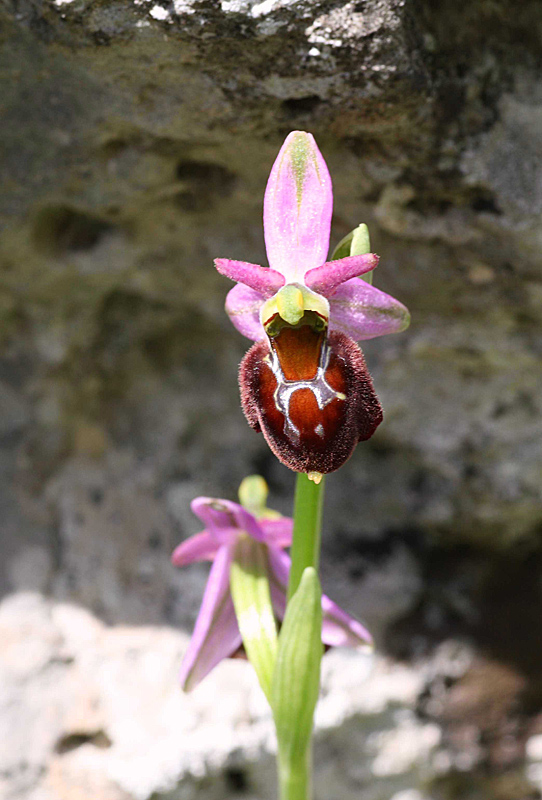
{"x": 304, "y": 383}
{"x": 216, "y": 633}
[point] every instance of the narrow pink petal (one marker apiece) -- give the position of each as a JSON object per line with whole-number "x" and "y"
{"x": 243, "y": 308}
{"x": 364, "y": 312}
{"x": 278, "y": 600}
{"x": 201, "y": 547}
{"x": 339, "y": 629}
{"x": 278, "y": 532}
{"x": 216, "y": 634}
{"x": 262, "y": 279}
{"x": 326, "y": 278}
{"x": 279, "y": 569}
{"x": 280, "y": 563}
{"x": 223, "y": 517}
{"x": 297, "y": 208}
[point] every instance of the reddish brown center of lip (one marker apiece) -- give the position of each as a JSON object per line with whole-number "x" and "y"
{"x": 299, "y": 351}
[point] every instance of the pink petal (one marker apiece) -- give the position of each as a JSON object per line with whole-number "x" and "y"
{"x": 278, "y": 600}
{"x": 279, "y": 563}
{"x": 279, "y": 569}
{"x": 297, "y": 208}
{"x": 364, "y": 312}
{"x": 216, "y": 634}
{"x": 222, "y": 518}
{"x": 278, "y": 532}
{"x": 201, "y": 547}
{"x": 262, "y": 279}
{"x": 339, "y": 629}
{"x": 326, "y": 278}
{"x": 243, "y": 308}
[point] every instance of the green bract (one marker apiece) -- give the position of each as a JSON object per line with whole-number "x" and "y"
{"x": 296, "y": 678}
{"x": 249, "y": 586}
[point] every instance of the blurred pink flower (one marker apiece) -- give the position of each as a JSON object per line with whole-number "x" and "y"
{"x": 216, "y": 633}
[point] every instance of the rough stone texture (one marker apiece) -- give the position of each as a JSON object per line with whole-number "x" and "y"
{"x": 135, "y": 143}
{"x": 94, "y": 711}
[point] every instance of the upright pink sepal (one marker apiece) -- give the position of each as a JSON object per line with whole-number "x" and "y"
{"x": 363, "y": 312}
{"x": 297, "y": 208}
{"x": 326, "y": 278}
{"x": 243, "y": 308}
{"x": 262, "y": 279}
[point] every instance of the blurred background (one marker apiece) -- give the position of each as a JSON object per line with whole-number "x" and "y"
{"x": 135, "y": 142}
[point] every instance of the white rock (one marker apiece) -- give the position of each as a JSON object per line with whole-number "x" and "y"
{"x": 99, "y": 714}
{"x": 533, "y": 748}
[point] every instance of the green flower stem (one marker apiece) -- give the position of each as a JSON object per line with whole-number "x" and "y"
{"x": 295, "y": 763}
{"x": 308, "y": 508}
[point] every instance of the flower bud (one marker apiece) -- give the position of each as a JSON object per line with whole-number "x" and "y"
{"x": 355, "y": 243}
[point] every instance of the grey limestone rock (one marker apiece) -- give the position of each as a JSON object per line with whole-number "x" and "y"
{"x": 135, "y": 144}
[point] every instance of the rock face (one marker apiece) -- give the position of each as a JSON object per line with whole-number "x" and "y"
{"x": 92, "y": 711}
{"x": 135, "y": 144}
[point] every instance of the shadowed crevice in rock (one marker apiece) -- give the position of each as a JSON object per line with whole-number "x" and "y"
{"x": 61, "y": 230}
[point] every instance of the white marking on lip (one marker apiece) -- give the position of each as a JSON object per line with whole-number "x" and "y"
{"x": 318, "y": 385}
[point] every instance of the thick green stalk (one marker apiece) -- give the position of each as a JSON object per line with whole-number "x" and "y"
{"x": 308, "y": 507}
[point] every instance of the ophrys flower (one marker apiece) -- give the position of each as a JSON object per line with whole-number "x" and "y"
{"x": 216, "y": 633}
{"x": 304, "y": 383}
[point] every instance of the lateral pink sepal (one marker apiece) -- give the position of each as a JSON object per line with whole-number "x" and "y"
{"x": 243, "y": 308}
{"x": 362, "y": 311}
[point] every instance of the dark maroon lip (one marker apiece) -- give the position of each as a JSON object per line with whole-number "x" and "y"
{"x": 311, "y": 396}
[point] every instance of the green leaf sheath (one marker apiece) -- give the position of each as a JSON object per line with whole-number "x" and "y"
{"x": 252, "y": 601}
{"x": 295, "y": 686}
{"x": 308, "y": 508}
